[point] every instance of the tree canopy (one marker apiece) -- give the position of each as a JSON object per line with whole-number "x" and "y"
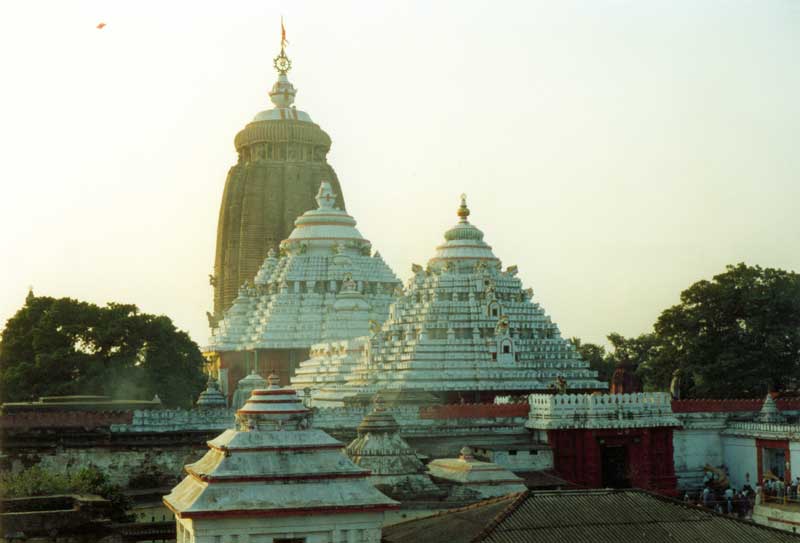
{"x": 36, "y": 481}
{"x": 737, "y": 335}
{"x": 54, "y": 347}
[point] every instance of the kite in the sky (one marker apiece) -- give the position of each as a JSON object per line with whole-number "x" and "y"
{"x": 100, "y": 26}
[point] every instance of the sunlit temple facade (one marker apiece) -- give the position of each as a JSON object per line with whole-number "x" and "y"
{"x": 325, "y": 284}
{"x": 463, "y": 330}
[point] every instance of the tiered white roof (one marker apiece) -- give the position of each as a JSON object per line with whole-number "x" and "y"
{"x": 394, "y": 465}
{"x": 211, "y": 396}
{"x": 275, "y": 465}
{"x": 475, "y": 479}
{"x": 463, "y": 324}
{"x": 324, "y": 286}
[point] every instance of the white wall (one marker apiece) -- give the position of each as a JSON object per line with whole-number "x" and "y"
{"x": 693, "y": 449}
{"x": 740, "y": 456}
{"x": 343, "y": 528}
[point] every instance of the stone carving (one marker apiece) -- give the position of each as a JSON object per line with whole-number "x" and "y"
{"x": 416, "y": 269}
{"x": 502, "y": 326}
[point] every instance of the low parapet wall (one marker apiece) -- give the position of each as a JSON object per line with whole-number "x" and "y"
{"x": 475, "y": 411}
{"x": 88, "y": 420}
{"x": 731, "y": 406}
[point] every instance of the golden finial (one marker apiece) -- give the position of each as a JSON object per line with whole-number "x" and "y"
{"x": 463, "y": 210}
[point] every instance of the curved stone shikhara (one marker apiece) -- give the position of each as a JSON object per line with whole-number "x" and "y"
{"x": 463, "y": 324}
{"x": 282, "y": 159}
{"x": 324, "y": 286}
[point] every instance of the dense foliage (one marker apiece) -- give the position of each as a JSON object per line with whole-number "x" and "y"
{"x": 36, "y": 481}
{"x": 735, "y": 336}
{"x": 53, "y": 347}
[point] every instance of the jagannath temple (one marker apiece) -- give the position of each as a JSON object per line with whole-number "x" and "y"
{"x": 464, "y": 329}
{"x": 325, "y": 284}
{"x": 281, "y": 162}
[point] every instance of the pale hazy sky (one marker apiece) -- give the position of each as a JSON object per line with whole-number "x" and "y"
{"x": 616, "y": 151}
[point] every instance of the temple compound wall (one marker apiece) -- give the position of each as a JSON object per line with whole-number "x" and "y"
{"x": 160, "y": 442}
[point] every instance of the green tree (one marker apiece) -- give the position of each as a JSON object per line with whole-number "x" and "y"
{"x": 36, "y": 481}
{"x": 64, "y": 346}
{"x": 734, "y": 336}
{"x": 596, "y": 356}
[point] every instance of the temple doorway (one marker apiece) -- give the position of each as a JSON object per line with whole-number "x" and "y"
{"x": 774, "y": 461}
{"x": 614, "y": 463}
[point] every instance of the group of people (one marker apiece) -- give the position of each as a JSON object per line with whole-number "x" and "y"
{"x": 718, "y": 495}
{"x": 776, "y": 488}
{"x": 729, "y": 501}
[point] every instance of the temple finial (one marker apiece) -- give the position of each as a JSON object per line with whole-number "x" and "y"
{"x": 463, "y": 210}
{"x": 282, "y": 62}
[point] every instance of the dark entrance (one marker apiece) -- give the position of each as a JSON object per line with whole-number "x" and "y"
{"x": 615, "y": 466}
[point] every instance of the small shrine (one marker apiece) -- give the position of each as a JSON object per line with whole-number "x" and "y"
{"x": 324, "y": 285}
{"x": 470, "y": 479}
{"x": 245, "y": 387}
{"x": 275, "y": 478}
{"x": 464, "y": 329}
{"x": 211, "y": 397}
{"x": 395, "y": 468}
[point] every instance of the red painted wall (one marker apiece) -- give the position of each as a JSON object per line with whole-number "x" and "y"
{"x": 578, "y": 456}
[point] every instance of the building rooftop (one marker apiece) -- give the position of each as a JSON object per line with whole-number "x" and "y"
{"x": 273, "y": 463}
{"x": 599, "y": 516}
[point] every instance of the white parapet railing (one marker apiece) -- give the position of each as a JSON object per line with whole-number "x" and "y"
{"x": 766, "y": 430}
{"x": 595, "y": 411}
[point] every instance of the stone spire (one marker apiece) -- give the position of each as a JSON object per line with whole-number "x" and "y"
{"x": 211, "y": 396}
{"x": 769, "y": 411}
{"x": 464, "y": 330}
{"x": 395, "y": 469}
{"x": 282, "y": 159}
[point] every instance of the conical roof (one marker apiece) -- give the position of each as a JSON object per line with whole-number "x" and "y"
{"x": 463, "y": 325}
{"x": 324, "y": 286}
{"x": 463, "y": 243}
{"x": 211, "y": 396}
{"x": 394, "y": 466}
{"x": 274, "y": 464}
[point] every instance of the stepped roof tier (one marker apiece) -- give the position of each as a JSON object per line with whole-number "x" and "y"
{"x": 281, "y": 161}
{"x": 474, "y": 479}
{"x": 396, "y": 470}
{"x": 463, "y": 327}
{"x": 324, "y": 286}
{"x": 274, "y": 464}
{"x": 211, "y": 396}
{"x": 245, "y": 388}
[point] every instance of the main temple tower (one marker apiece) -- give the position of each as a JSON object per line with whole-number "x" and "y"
{"x": 282, "y": 160}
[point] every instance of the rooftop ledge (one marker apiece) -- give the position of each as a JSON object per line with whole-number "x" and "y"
{"x": 595, "y": 411}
